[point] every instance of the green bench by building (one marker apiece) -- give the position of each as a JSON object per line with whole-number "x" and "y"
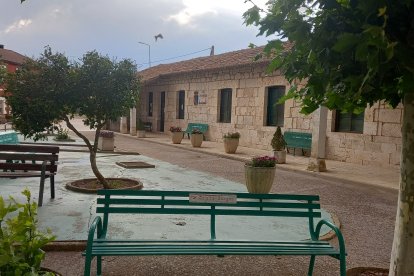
{"x": 202, "y": 127}
{"x": 300, "y": 140}
{"x": 211, "y": 205}
{"x": 8, "y": 137}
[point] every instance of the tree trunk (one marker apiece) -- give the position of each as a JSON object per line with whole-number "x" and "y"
{"x": 93, "y": 148}
{"x": 402, "y": 257}
{"x": 96, "y": 172}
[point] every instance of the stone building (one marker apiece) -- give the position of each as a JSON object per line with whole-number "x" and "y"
{"x": 232, "y": 92}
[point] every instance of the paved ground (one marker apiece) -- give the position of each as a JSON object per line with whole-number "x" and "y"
{"x": 365, "y": 208}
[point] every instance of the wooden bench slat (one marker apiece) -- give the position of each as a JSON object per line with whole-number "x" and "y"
{"x": 28, "y": 156}
{"x": 27, "y": 167}
{"x": 29, "y": 148}
{"x": 21, "y": 174}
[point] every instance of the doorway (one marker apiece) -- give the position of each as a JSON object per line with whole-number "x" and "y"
{"x": 162, "y": 113}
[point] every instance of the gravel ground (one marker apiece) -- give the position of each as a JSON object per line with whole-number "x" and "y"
{"x": 367, "y": 214}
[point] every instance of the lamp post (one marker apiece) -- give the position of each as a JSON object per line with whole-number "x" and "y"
{"x": 149, "y": 52}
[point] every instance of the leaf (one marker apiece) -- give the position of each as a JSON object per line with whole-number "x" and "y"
{"x": 345, "y": 42}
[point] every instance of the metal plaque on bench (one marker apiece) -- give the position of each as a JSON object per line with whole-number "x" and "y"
{"x": 213, "y": 198}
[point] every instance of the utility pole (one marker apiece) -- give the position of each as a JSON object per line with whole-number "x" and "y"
{"x": 149, "y": 52}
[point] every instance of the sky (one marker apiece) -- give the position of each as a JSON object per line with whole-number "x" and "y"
{"x": 115, "y": 28}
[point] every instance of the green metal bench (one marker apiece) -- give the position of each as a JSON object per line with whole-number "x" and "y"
{"x": 300, "y": 140}
{"x": 9, "y": 137}
{"x": 147, "y": 126}
{"x": 202, "y": 127}
{"x": 113, "y": 202}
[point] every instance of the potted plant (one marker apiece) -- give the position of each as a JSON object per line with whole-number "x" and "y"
{"x": 140, "y": 129}
{"x": 176, "y": 134}
{"x": 106, "y": 140}
{"x": 20, "y": 240}
{"x": 279, "y": 146}
{"x": 231, "y": 141}
{"x": 259, "y": 174}
{"x": 196, "y": 138}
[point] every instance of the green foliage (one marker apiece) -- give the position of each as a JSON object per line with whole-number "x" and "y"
{"x": 262, "y": 161}
{"x": 62, "y": 134}
{"x": 232, "y": 135}
{"x": 3, "y": 72}
{"x": 345, "y": 54}
{"x": 37, "y": 93}
{"x": 20, "y": 241}
{"x": 51, "y": 88}
{"x": 278, "y": 141}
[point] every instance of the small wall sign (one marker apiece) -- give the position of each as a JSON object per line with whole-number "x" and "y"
{"x": 213, "y": 198}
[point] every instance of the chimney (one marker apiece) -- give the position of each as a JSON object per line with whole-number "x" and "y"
{"x": 1, "y": 46}
{"x": 212, "y": 51}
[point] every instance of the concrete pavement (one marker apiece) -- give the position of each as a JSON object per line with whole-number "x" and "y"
{"x": 387, "y": 177}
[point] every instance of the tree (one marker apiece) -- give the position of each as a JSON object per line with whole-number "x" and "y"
{"x": 51, "y": 88}
{"x": 347, "y": 54}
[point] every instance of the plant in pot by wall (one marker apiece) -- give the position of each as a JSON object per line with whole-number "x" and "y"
{"x": 231, "y": 141}
{"x": 20, "y": 240}
{"x": 140, "y": 129}
{"x": 106, "y": 140}
{"x": 259, "y": 174}
{"x": 176, "y": 134}
{"x": 279, "y": 146}
{"x": 196, "y": 138}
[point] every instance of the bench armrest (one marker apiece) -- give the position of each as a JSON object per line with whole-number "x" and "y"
{"x": 338, "y": 233}
{"x": 96, "y": 226}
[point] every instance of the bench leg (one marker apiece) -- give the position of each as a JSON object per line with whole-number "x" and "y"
{"x": 342, "y": 267}
{"x": 52, "y": 186}
{"x": 311, "y": 265}
{"x": 88, "y": 261}
{"x": 99, "y": 265}
{"x": 41, "y": 188}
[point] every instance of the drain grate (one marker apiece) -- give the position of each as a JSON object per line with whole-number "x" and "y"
{"x": 135, "y": 165}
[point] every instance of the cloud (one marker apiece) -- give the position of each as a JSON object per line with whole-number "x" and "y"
{"x": 191, "y": 10}
{"x": 18, "y": 25}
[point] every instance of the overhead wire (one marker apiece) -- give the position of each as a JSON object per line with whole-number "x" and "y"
{"x": 189, "y": 54}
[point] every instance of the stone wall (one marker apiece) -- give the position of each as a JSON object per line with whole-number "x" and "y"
{"x": 380, "y": 144}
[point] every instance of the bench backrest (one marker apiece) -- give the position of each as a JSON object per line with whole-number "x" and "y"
{"x": 207, "y": 203}
{"x": 28, "y": 157}
{"x": 298, "y": 139}
{"x": 202, "y": 127}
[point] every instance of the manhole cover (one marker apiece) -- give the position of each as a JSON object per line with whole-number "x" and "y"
{"x": 135, "y": 165}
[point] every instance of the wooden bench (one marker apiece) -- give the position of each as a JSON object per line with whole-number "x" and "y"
{"x": 147, "y": 126}
{"x": 202, "y": 127}
{"x": 121, "y": 202}
{"x": 30, "y": 161}
{"x": 300, "y": 140}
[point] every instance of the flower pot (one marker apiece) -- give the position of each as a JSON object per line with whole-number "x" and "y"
{"x": 259, "y": 180}
{"x": 141, "y": 133}
{"x": 196, "y": 140}
{"x": 280, "y": 156}
{"x": 106, "y": 144}
{"x": 230, "y": 144}
{"x": 176, "y": 137}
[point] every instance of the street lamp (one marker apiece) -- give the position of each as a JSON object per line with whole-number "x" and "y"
{"x": 149, "y": 52}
